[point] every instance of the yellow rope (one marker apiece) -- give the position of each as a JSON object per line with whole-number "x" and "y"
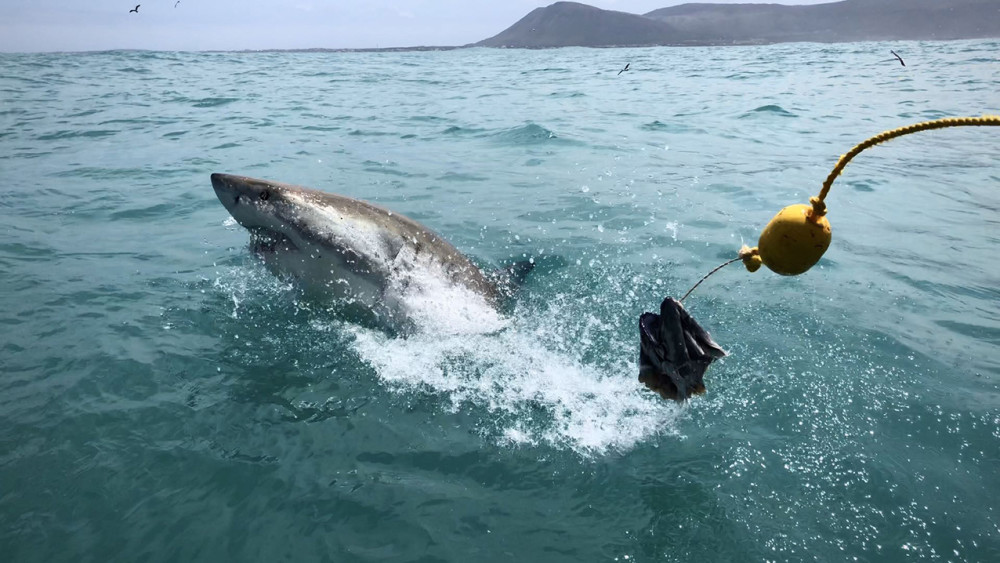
{"x": 752, "y": 257}
{"x": 986, "y": 120}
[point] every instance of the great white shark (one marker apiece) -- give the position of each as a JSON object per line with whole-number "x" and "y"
{"x": 364, "y": 254}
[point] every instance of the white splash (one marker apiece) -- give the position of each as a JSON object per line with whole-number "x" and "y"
{"x": 534, "y": 393}
{"x": 436, "y": 306}
{"x": 528, "y": 374}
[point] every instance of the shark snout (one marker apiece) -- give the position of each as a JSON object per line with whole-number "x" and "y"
{"x": 221, "y": 181}
{"x": 250, "y": 201}
{"x": 225, "y": 190}
{"x": 235, "y": 191}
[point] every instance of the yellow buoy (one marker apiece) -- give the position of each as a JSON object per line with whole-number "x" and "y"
{"x": 795, "y": 239}
{"x": 792, "y": 242}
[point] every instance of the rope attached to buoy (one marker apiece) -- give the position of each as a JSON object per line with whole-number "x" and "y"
{"x": 796, "y": 238}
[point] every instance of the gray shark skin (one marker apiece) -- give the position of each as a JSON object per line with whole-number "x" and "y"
{"x": 350, "y": 249}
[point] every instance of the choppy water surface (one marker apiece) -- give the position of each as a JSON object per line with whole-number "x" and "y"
{"x": 164, "y": 398}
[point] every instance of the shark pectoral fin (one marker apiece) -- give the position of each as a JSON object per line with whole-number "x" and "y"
{"x": 674, "y": 352}
{"x": 510, "y": 278}
{"x": 518, "y": 271}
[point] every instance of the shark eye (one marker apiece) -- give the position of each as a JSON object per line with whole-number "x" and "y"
{"x": 264, "y": 195}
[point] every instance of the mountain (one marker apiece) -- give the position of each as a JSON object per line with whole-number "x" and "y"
{"x": 565, "y": 24}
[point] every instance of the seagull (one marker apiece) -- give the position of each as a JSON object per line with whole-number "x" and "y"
{"x": 898, "y": 57}
{"x": 624, "y": 69}
{"x": 136, "y": 9}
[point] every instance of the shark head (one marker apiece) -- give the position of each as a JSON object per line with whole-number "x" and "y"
{"x": 257, "y": 205}
{"x": 284, "y": 219}
{"x": 316, "y": 238}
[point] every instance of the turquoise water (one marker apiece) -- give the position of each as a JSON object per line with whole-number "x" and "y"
{"x": 164, "y": 398}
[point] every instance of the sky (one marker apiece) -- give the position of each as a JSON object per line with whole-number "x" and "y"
{"x": 199, "y": 25}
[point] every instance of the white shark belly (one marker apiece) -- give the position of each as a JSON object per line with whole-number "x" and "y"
{"x": 410, "y": 291}
{"x": 325, "y": 272}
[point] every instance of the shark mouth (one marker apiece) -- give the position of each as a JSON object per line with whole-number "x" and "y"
{"x": 266, "y": 241}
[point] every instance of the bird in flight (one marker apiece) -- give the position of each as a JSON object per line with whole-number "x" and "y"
{"x": 136, "y": 9}
{"x": 624, "y": 69}
{"x": 175, "y": 3}
{"x": 900, "y": 59}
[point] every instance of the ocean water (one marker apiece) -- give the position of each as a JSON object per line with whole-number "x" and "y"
{"x": 163, "y": 397}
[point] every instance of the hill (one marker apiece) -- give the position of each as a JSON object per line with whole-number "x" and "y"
{"x": 565, "y": 24}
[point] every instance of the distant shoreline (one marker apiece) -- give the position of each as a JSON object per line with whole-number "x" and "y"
{"x": 462, "y": 47}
